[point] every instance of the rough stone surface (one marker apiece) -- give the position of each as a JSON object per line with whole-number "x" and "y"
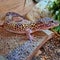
{"x": 23, "y": 51}
{"x": 50, "y": 50}
{"x": 14, "y": 47}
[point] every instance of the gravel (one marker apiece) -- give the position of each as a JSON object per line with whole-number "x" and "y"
{"x": 50, "y": 51}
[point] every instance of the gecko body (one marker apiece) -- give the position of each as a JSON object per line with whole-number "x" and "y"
{"x": 18, "y": 24}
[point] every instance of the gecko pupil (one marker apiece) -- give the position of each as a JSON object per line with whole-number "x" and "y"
{"x": 36, "y": 1}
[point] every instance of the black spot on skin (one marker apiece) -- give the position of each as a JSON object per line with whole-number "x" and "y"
{"x": 35, "y": 1}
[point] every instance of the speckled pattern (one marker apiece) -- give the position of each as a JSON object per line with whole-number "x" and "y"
{"x": 18, "y": 47}
{"x": 9, "y": 41}
{"x": 50, "y": 50}
{"x": 22, "y": 52}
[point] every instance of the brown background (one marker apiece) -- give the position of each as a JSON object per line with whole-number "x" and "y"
{"x": 20, "y": 6}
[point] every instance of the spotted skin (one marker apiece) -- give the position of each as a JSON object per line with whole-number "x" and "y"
{"x": 18, "y": 24}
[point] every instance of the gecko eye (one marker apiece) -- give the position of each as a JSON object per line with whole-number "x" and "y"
{"x": 51, "y": 21}
{"x": 36, "y": 1}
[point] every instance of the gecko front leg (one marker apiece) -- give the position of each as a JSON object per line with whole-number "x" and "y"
{"x": 28, "y": 33}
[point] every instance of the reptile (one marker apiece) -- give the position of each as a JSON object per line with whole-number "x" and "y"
{"x": 16, "y": 23}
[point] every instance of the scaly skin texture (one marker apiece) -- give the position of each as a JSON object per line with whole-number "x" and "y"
{"x": 18, "y": 24}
